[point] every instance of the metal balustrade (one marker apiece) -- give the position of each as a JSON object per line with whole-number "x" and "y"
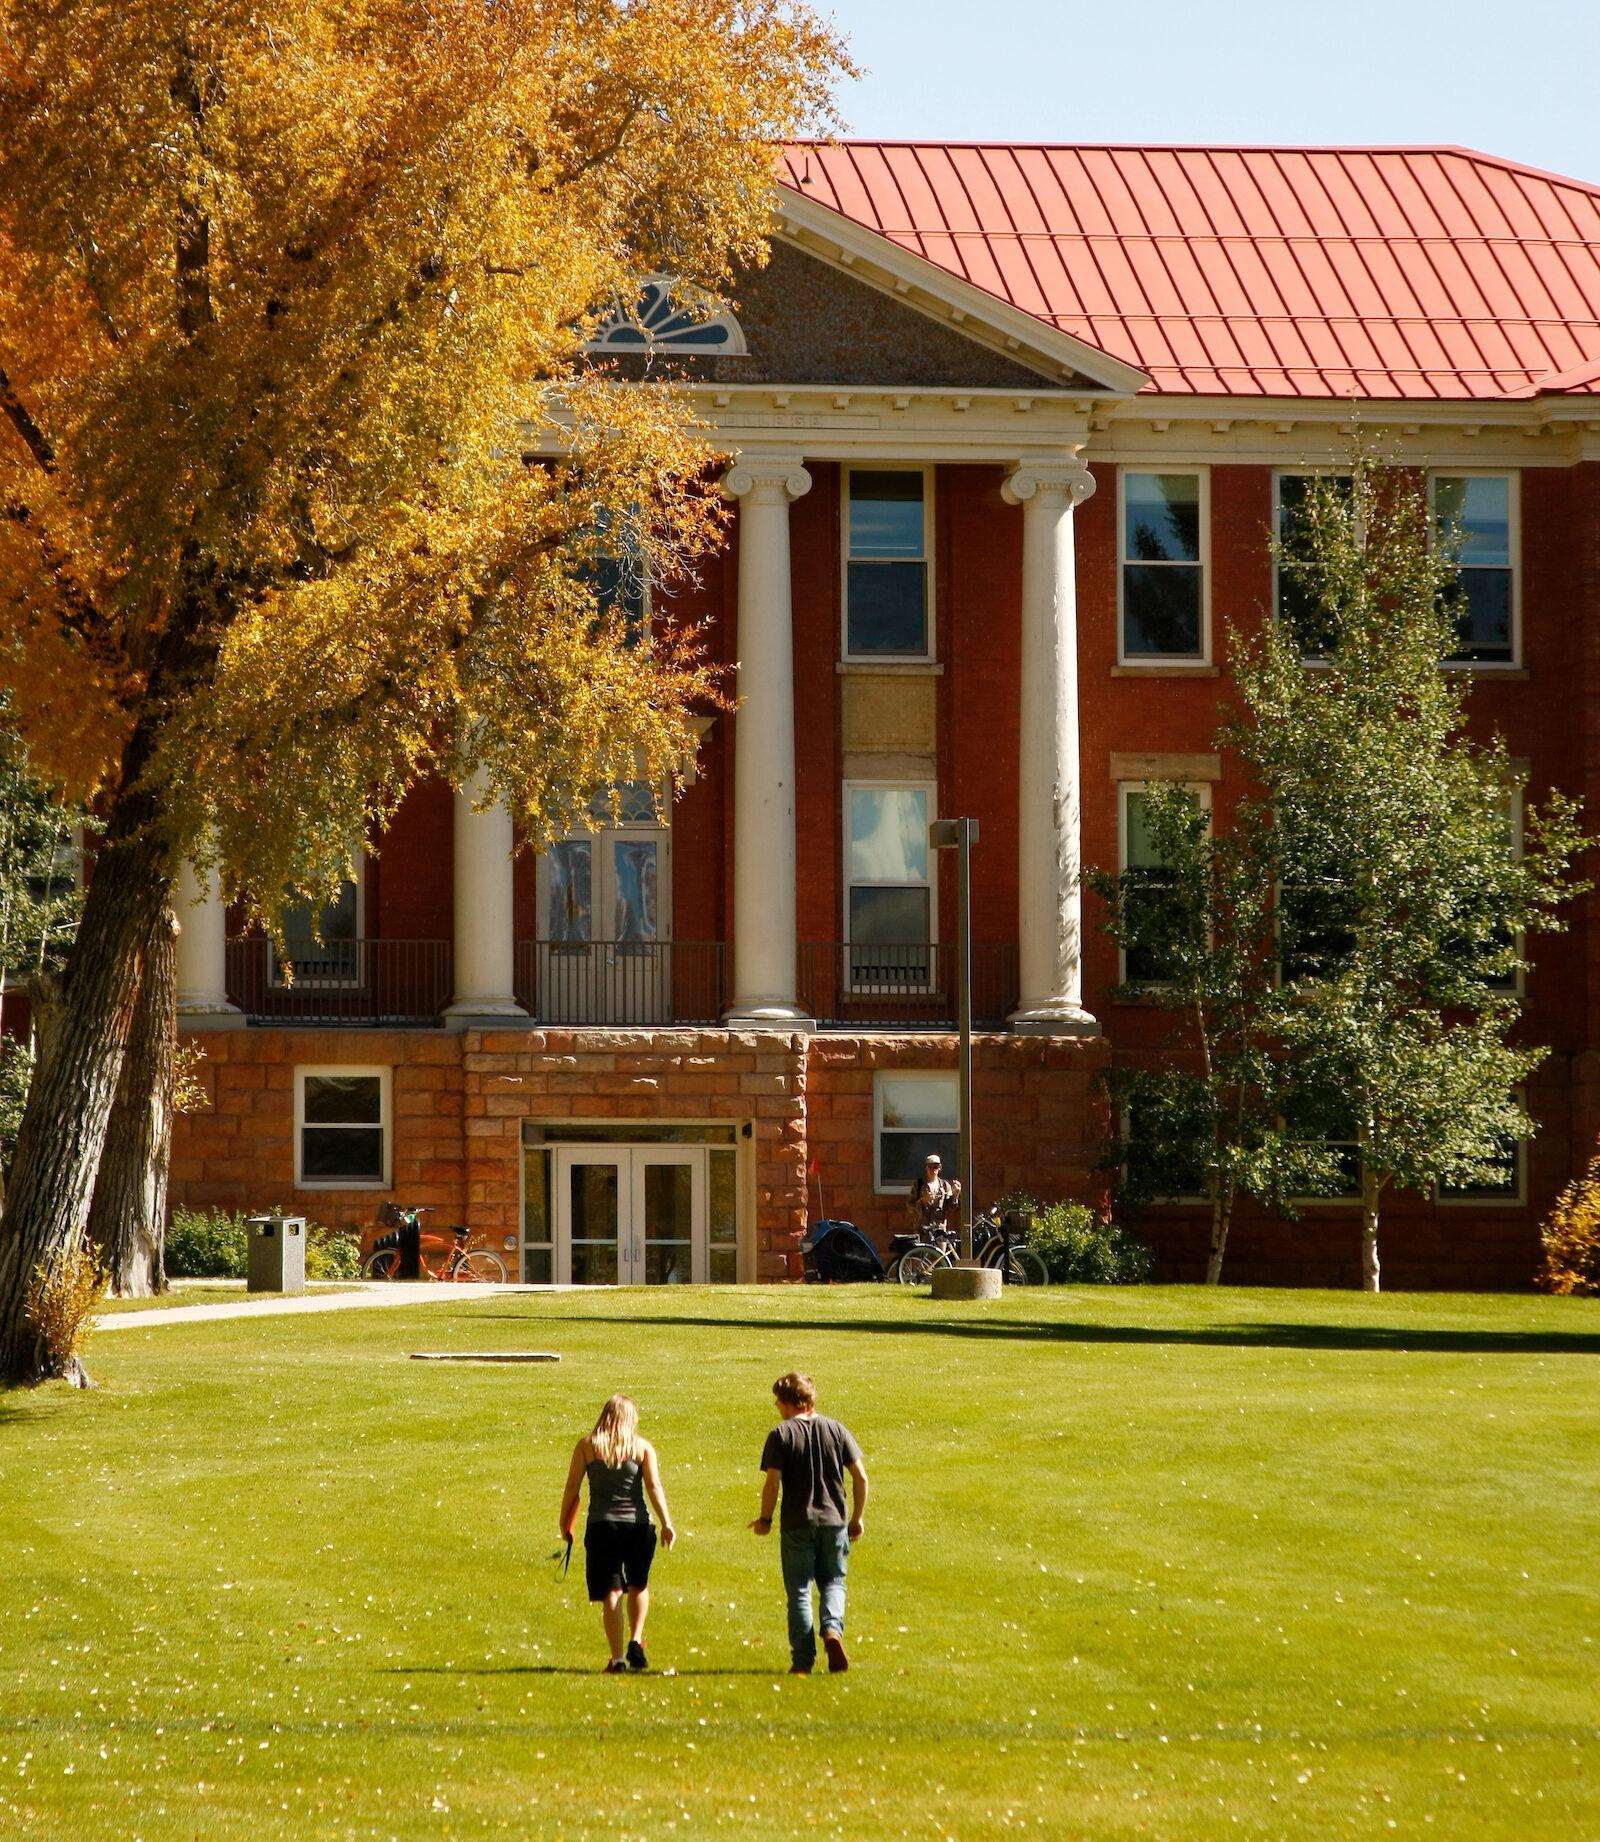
{"x": 616, "y": 983}
{"x": 343, "y": 982}
{"x": 619, "y": 984}
{"x": 855, "y": 985}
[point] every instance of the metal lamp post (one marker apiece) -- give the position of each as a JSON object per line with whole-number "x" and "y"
{"x": 960, "y": 835}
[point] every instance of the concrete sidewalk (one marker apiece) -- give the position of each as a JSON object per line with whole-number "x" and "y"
{"x": 372, "y": 1297}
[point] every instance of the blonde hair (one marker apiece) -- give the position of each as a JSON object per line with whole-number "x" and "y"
{"x": 615, "y": 1439}
{"x": 795, "y": 1389}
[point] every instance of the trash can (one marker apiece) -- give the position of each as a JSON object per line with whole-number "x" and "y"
{"x": 277, "y": 1253}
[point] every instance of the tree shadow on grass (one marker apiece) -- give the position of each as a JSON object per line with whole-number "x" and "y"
{"x": 1398, "y": 1339}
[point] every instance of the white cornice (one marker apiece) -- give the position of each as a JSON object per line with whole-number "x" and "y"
{"x": 828, "y": 423}
{"x": 970, "y": 310}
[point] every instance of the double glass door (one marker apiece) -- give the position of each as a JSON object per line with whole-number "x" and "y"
{"x": 605, "y": 917}
{"x": 644, "y": 1215}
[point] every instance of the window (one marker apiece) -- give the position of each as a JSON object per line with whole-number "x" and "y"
{"x": 1161, "y": 1160}
{"x": 1337, "y": 1135}
{"x": 1476, "y": 512}
{"x": 886, "y": 564}
{"x": 323, "y": 943}
{"x": 915, "y": 1114}
{"x": 1315, "y": 930}
{"x": 888, "y": 894}
{"x": 1149, "y": 897}
{"x": 341, "y": 1128}
{"x": 668, "y": 317}
{"x": 1505, "y": 1186}
{"x": 1291, "y": 603}
{"x": 1163, "y": 566}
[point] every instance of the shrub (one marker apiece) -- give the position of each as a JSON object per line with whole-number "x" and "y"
{"x": 207, "y": 1244}
{"x": 332, "y": 1253}
{"x": 61, "y": 1304}
{"x": 1082, "y": 1250}
{"x": 211, "y": 1244}
{"x": 1571, "y": 1240}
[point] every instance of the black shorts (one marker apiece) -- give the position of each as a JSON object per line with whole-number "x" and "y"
{"x": 617, "y": 1555}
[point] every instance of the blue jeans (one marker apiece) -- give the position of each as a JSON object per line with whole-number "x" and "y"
{"x": 822, "y": 1555}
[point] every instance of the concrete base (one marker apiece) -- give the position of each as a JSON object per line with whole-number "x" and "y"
{"x": 196, "y": 1019}
{"x": 487, "y": 1015}
{"x": 963, "y": 1281}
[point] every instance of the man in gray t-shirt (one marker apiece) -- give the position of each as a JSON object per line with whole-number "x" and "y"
{"x": 806, "y": 1456}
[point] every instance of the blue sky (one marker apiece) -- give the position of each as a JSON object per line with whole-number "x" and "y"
{"x": 1521, "y": 80}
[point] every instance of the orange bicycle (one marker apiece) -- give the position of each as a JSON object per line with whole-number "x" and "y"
{"x": 461, "y": 1262}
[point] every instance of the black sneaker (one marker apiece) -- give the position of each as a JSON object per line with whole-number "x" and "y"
{"x": 636, "y": 1656}
{"x": 838, "y": 1662}
{"x": 616, "y": 1667}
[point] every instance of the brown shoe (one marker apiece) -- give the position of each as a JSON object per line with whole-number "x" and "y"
{"x": 838, "y": 1662}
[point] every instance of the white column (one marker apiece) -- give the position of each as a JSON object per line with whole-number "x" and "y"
{"x": 202, "y": 953}
{"x": 764, "y": 946}
{"x": 484, "y": 916}
{"x": 1050, "y": 898}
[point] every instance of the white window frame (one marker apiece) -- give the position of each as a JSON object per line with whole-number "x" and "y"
{"x": 950, "y": 1075}
{"x": 1518, "y": 1199}
{"x": 320, "y": 1071}
{"x": 848, "y": 882}
{"x": 1176, "y": 661}
{"x": 1317, "y": 660}
{"x": 1513, "y": 478}
{"x": 331, "y": 983}
{"x": 930, "y": 652}
{"x": 1202, "y": 792}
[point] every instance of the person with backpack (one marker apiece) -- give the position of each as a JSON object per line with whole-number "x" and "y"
{"x": 619, "y": 1541}
{"x": 806, "y": 1457}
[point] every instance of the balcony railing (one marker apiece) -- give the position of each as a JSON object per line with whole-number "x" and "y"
{"x": 346, "y": 981}
{"x": 850, "y": 985}
{"x": 612, "y": 983}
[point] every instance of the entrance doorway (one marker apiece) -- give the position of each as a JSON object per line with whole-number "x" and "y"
{"x": 657, "y": 1214}
{"x": 605, "y": 905}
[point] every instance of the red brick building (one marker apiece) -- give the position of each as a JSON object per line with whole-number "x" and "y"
{"x": 1011, "y": 428}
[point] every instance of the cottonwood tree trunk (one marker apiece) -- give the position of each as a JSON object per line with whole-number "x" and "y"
{"x": 127, "y": 1219}
{"x": 1369, "y": 1232}
{"x": 86, "y": 1019}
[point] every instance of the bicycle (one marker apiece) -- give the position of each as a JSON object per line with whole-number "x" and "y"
{"x": 1019, "y": 1265}
{"x": 462, "y": 1265}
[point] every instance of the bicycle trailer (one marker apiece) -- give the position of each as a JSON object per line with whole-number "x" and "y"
{"x": 838, "y": 1253}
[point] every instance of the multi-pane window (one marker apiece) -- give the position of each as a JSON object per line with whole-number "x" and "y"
{"x": 341, "y": 1127}
{"x": 889, "y": 891}
{"x": 1474, "y": 512}
{"x": 1336, "y": 1136}
{"x": 886, "y": 564}
{"x": 917, "y": 1114}
{"x": 1297, "y": 609}
{"x": 1163, "y": 566}
{"x": 323, "y": 941}
{"x": 1505, "y": 1185}
{"x": 1151, "y": 900}
{"x": 1159, "y": 1162}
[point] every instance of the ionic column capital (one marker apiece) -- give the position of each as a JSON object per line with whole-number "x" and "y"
{"x": 773, "y": 479}
{"x": 1045, "y": 480}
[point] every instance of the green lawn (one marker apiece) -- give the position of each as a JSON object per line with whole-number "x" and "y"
{"x": 1253, "y": 1564}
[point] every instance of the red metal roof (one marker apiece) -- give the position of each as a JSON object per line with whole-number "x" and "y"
{"x": 1381, "y": 272}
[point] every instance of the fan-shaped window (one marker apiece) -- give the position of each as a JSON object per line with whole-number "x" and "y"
{"x": 662, "y": 320}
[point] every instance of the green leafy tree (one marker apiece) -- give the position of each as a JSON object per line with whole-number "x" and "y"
{"x": 1196, "y": 926}
{"x": 1404, "y": 907}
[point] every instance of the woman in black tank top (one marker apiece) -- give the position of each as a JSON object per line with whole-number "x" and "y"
{"x": 619, "y": 1542}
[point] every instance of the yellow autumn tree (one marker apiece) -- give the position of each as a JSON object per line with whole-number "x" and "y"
{"x": 302, "y": 471}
